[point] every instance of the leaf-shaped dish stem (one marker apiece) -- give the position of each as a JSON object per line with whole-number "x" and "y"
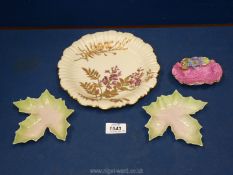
{"x": 45, "y": 112}
{"x": 174, "y": 111}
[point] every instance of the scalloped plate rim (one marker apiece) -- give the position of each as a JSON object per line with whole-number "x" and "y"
{"x": 97, "y": 104}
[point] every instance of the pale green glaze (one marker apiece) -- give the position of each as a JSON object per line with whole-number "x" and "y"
{"x": 174, "y": 111}
{"x": 45, "y": 112}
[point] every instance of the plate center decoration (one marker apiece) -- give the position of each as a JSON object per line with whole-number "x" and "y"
{"x": 112, "y": 83}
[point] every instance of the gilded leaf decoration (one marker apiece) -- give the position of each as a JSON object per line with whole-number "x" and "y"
{"x": 112, "y": 83}
{"x": 102, "y": 48}
{"x": 92, "y": 74}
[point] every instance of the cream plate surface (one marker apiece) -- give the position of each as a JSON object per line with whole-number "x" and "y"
{"x": 108, "y": 69}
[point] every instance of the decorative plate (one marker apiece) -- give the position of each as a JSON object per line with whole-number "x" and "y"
{"x": 197, "y": 71}
{"x": 108, "y": 69}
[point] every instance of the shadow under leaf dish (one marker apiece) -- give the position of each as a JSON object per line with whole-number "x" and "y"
{"x": 45, "y": 112}
{"x": 197, "y": 71}
{"x": 174, "y": 111}
{"x": 108, "y": 69}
